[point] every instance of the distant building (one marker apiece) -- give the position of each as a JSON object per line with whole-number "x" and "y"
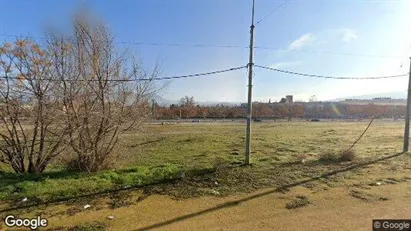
{"x": 289, "y": 98}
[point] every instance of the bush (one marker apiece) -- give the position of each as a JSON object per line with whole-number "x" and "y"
{"x": 329, "y": 156}
{"x": 347, "y": 155}
{"x": 86, "y": 164}
{"x": 299, "y": 202}
{"x": 343, "y": 155}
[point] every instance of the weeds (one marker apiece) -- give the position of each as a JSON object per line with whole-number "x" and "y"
{"x": 328, "y": 156}
{"x": 342, "y": 156}
{"x": 97, "y": 226}
{"x": 196, "y": 155}
{"x": 299, "y": 202}
{"x": 347, "y": 155}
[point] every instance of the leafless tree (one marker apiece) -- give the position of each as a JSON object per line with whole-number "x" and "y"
{"x": 104, "y": 92}
{"x": 30, "y": 132}
{"x": 187, "y": 105}
{"x": 75, "y": 91}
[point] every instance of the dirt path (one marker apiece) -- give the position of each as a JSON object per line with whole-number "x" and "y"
{"x": 332, "y": 209}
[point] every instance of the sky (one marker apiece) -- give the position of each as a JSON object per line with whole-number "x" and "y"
{"x": 323, "y": 37}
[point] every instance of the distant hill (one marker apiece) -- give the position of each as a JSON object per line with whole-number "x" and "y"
{"x": 393, "y": 95}
{"x": 164, "y": 102}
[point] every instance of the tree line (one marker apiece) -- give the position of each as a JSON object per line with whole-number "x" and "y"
{"x": 189, "y": 109}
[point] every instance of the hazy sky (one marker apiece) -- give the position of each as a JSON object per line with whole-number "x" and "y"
{"x": 373, "y": 27}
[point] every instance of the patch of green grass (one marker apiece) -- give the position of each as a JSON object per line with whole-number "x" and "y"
{"x": 96, "y": 226}
{"x": 64, "y": 185}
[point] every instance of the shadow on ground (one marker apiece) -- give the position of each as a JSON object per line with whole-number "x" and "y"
{"x": 278, "y": 189}
{"x": 10, "y": 178}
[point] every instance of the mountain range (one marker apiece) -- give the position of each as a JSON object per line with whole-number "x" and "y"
{"x": 393, "y": 95}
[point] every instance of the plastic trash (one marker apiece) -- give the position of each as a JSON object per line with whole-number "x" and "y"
{"x": 215, "y": 192}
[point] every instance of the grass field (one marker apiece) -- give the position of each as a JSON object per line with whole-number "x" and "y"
{"x": 283, "y": 153}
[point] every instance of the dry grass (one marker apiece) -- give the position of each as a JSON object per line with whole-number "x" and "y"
{"x": 283, "y": 152}
{"x": 341, "y": 156}
{"x": 300, "y": 201}
{"x": 329, "y": 156}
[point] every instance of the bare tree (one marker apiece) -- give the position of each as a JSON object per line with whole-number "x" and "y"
{"x": 187, "y": 105}
{"x": 30, "y": 134}
{"x": 104, "y": 92}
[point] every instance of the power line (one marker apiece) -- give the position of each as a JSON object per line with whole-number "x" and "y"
{"x": 136, "y": 80}
{"x": 200, "y": 74}
{"x": 330, "y": 77}
{"x": 183, "y": 45}
{"x": 272, "y": 12}
{"x": 224, "y": 46}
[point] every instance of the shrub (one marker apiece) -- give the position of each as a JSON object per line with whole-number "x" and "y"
{"x": 347, "y": 155}
{"x": 300, "y": 201}
{"x": 329, "y": 156}
{"x": 343, "y": 155}
{"x": 83, "y": 164}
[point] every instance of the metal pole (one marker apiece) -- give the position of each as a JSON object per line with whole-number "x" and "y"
{"x": 250, "y": 92}
{"x": 407, "y": 115}
{"x": 154, "y": 109}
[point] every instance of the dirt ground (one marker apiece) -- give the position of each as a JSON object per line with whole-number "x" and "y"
{"x": 335, "y": 208}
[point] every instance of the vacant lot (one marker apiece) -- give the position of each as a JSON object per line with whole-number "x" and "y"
{"x": 206, "y": 161}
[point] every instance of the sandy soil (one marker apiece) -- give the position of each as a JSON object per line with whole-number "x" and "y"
{"x": 332, "y": 209}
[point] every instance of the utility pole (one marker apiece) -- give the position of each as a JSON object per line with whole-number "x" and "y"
{"x": 407, "y": 115}
{"x": 250, "y": 92}
{"x": 154, "y": 109}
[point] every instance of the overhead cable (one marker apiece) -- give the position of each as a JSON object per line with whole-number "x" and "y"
{"x": 133, "y": 80}
{"x": 331, "y": 77}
